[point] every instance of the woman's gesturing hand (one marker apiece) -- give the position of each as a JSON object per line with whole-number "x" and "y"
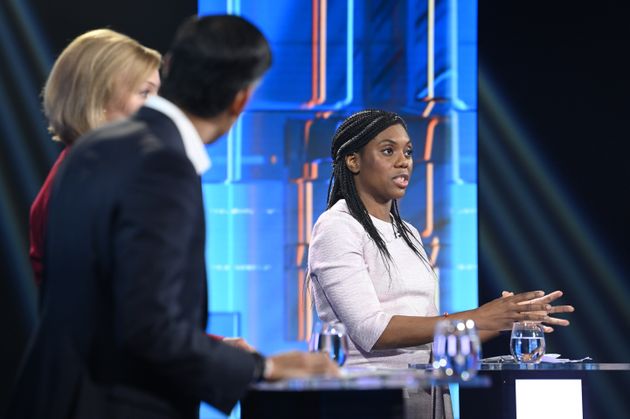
{"x": 499, "y": 314}
{"x": 549, "y": 298}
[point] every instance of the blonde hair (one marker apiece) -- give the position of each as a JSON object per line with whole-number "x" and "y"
{"x": 95, "y": 70}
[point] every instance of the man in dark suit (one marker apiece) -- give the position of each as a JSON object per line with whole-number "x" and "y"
{"x": 124, "y": 300}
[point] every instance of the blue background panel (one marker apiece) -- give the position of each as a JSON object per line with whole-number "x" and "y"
{"x": 270, "y": 173}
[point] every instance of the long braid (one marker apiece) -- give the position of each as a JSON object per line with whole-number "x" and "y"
{"x": 406, "y": 234}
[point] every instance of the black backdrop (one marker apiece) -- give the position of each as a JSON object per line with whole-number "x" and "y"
{"x": 560, "y": 71}
{"x": 152, "y": 23}
{"x": 562, "y": 67}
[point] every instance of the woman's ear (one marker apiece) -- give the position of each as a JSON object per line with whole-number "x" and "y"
{"x": 353, "y": 163}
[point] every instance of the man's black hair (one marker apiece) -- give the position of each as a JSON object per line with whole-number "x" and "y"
{"x": 211, "y": 59}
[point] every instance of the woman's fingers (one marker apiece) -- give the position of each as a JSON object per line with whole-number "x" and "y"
{"x": 561, "y": 309}
{"x": 556, "y": 321}
{"x": 525, "y": 296}
{"x": 533, "y": 307}
{"x": 543, "y": 316}
{"x": 527, "y": 306}
{"x": 551, "y": 297}
{"x": 534, "y": 316}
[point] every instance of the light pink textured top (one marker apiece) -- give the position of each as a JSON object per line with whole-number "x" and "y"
{"x": 351, "y": 285}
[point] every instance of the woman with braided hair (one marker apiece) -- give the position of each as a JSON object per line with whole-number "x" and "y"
{"x": 369, "y": 270}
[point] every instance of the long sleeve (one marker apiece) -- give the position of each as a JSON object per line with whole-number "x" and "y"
{"x": 341, "y": 280}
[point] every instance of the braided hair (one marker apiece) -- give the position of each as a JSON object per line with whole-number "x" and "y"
{"x": 352, "y": 135}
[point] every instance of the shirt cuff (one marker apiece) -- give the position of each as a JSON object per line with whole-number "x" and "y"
{"x": 259, "y": 368}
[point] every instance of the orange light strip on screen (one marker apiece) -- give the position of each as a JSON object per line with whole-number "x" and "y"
{"x": 322, "y": 52}
{"x": 305, "y": 208}
{"x": 300, "y": 199}
{"x": 428, "y": 145}
{"x": 310, "y": 172}
{"x": 312, "y": 175}
{"x": 314, "y": 170}
{"x": 300, "y": 223}
{"x": 309, "y": 315}
{"x": 325, "y": 114}
{"x": 429, "y": 108}
{"x": 430, "y": 48}
{"x": 314, "y": 54}
{"x": 305, "y": 313}
{"x": 305, "y": 212}
{"x": 305, "y": 221}
{"x": 430, "y": 133}
{"x": 318, "y": 53}
{"x": 430, "y": 58}
{"x": 309, "y": 210}
{"x": 435, "y": 250}
{"x": 301, "y": 304}
{"x": 307, "y": 132}
{"x": 429, "y": 228}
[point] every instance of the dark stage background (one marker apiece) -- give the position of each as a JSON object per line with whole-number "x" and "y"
{"x": 553, "y": 194}
{"x": 32, "y": 34}
{"x": 553, "y": 171}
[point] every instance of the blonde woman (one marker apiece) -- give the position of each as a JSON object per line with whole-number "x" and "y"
{"x": 101, "y": 76}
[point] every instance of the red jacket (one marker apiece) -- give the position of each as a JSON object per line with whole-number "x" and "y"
{"x": 39, "y": 220}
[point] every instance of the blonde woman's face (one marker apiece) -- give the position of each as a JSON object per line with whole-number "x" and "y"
{"x": 135, "y": 100}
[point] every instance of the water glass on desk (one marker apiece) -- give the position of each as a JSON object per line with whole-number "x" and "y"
{"x": 331, "y": 339}
{"x": 456, "y": 349}
{"x": 527, "y": 343}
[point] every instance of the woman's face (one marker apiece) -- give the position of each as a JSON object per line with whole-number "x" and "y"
{"x": 383, "y": 167}
{"x": 135, "y": 100}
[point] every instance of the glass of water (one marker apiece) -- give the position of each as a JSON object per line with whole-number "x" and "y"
{"x": 456, "y": 349}
{"x": 332, "y": 339}
{"x": 527, "y": 343}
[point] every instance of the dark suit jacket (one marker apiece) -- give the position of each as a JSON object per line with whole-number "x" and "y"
{"x": 124, "y": 296}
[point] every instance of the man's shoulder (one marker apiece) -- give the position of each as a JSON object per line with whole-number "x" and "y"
{"x": 132, "y": 137}
{"x": 126, "y": 130}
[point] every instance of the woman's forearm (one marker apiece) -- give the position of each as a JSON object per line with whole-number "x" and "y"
{"x": 406, "y": 331}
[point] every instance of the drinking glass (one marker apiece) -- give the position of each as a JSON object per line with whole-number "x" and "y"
{"x": 332, "y": 339}
{"x": 527, "y": 343}
{"x": 456, "y": 349}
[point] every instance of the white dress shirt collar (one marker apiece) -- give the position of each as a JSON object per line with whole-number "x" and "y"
{"x": 194, "y": 146}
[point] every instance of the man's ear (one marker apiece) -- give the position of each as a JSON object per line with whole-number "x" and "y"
{"x": 166, "y": 65}
{"x": 353, "y": 163}
{"x": 240, "y": 101}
